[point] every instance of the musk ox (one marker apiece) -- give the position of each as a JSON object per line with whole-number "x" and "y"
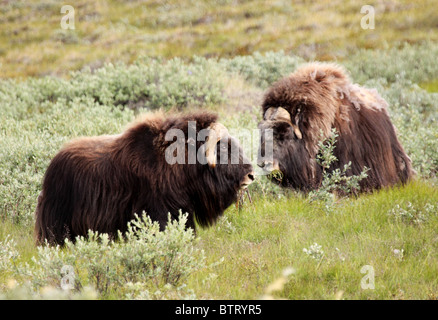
{"x": 100, "y": 183}
{"x": 317, "y": 98}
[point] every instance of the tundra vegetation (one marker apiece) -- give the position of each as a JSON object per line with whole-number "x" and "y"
{"x": 282, "y": 244}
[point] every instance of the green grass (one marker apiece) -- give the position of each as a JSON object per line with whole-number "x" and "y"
{"x": 431, "y": 86}
{"x": 270, "y": 235}
{"x": 264, "y": 238}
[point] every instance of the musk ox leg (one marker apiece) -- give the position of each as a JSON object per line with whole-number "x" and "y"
{"x": 404, "y": 166}
{"x": 39, "y": 233}
{"x": 46, "y": 226}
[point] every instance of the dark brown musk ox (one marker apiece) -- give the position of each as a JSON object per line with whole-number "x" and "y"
{"x": 100, "y": 183}
{"x": 317, "y": 98}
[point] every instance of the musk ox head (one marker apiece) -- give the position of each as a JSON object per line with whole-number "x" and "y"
{"x": 99, "y": 183}
{"x": 315, "y": 99}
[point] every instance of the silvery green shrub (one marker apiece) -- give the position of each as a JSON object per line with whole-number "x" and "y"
{"x": 335, "y": 180}
{"x": 154, "y": 264}
{"x": 8, "y": 255}
{"x": 148, "y": 83}
{"x": 412, "y": 62}
{"x": 262, "y": 69}
{"x": 410, "y": 213}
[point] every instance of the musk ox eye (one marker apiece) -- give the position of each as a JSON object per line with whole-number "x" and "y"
{"x": 282, "y": 128}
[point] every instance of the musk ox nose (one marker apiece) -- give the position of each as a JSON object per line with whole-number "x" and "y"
{"x": 249, "y": 178}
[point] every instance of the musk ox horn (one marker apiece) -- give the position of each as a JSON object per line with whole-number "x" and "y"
{"x": 297, "y": 131}
{"x": 281, "y": 114}
{"x": 217, "y": 132}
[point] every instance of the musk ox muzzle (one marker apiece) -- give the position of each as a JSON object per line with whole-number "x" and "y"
{"x": 100, "y": 183}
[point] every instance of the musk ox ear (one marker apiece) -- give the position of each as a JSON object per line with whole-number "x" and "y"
{"x": 281, "y": 114}
{"x": 217, "y": 131}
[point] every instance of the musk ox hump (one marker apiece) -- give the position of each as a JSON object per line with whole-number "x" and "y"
{"x": 322, "y": 72}
{"x": 334, "y": 77}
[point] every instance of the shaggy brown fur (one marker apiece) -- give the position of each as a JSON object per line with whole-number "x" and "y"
{"x": 99, "y": 183}
{"x": 320, "y": 96}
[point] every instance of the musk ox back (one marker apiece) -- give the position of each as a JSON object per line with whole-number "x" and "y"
{"x": 100, "y": 183}
{"x": 317, "y": 98}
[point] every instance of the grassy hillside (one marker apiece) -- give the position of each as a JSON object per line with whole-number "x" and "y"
{"x": 33, "y": 43}
{"x": 283, "y": 244}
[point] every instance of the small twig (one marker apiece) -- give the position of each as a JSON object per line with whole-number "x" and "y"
{"x": 249, "y": 196}
{"x": 320, "y": 260}
{"x": 240, "y": 202}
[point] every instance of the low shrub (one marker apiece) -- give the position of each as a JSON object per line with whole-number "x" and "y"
{"x": 333, "y": 181}
{"x": 148, "y": 83}
{"x": 413, "y": 62}
{"x": 143, "y": 263}
{"x": 262, "y": 69}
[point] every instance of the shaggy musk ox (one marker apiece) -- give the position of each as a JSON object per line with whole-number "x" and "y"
{"x": 99, "y": 183}
{"x": 319, "y": 97}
